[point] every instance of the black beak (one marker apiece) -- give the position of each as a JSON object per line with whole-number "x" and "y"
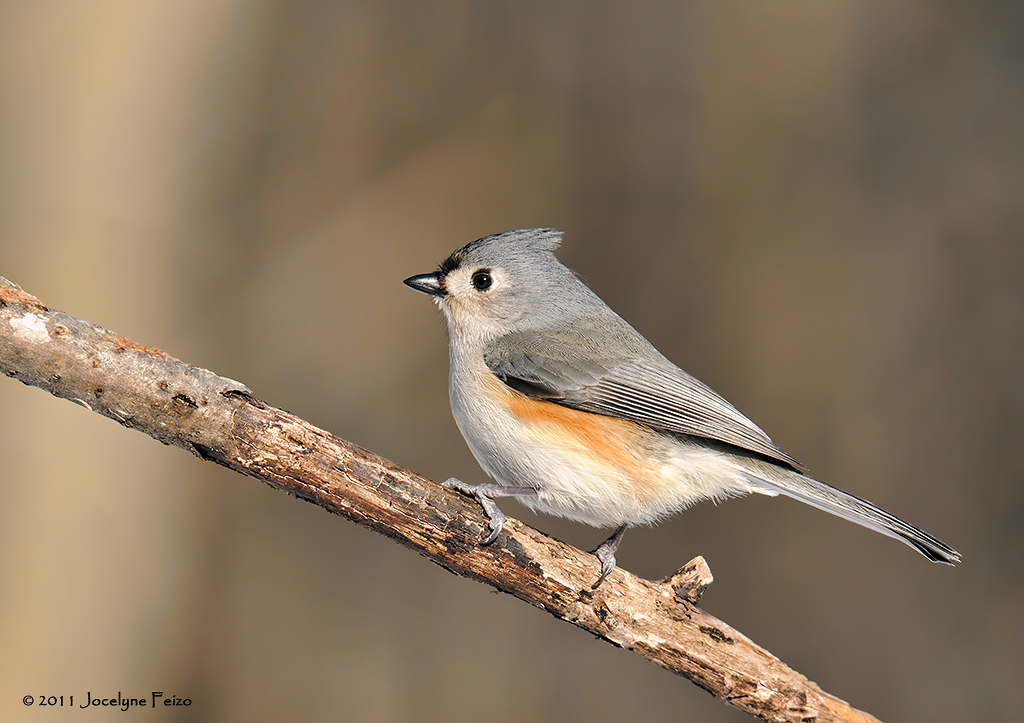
{"x": 427, "y": 283}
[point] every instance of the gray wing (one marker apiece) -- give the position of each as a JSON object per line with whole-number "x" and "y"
{"x": 646, "y": 388}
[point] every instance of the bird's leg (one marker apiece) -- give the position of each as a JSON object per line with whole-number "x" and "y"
{"x": 605, "y": 552}
{"x": 485, "y": 494}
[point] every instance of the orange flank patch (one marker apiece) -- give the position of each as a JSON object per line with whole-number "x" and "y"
{"x": 617, "y": 443}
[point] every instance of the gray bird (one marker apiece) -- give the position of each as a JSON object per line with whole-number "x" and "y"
{"x": 570, "y": 410}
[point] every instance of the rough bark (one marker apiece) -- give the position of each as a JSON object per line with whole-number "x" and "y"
{"x": 219, "y": 420}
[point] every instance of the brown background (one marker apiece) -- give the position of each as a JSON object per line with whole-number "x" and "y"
{"x": 815, "y": 207}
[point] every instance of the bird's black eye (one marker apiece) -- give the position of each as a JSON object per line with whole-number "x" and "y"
{"x": 482, "y": 280}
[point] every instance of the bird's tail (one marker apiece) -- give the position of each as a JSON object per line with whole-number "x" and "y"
{"x": 771, "y": 479}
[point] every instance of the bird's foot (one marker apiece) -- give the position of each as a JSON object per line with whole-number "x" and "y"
{"x": 605, "y": 553}
{"x": 485, "y": 494}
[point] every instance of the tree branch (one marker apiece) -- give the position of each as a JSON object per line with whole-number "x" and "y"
{"x": 219, "y": 420}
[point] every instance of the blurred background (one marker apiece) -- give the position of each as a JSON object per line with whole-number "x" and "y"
{"x": 816, "y": 208}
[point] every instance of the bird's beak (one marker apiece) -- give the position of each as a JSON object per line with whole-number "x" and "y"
{"x": 427, "y": 283}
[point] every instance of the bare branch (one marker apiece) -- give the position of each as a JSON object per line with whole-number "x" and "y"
{"x": 218, "y": 419}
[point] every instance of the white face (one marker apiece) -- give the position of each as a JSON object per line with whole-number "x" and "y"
{"x": 476, "y": 302}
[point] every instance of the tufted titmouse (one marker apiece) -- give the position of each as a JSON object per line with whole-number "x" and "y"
{"x": 573, "y": 412}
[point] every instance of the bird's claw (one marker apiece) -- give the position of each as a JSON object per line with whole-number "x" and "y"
{"x": 607, "y": 560}
{"x": 495, "y": 517}
{"x": 605, "y": 553}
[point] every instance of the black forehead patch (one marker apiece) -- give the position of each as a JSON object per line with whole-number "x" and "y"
{"x": 452, "y": 262}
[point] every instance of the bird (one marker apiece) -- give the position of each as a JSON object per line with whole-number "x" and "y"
{"x": 574, "y": 413}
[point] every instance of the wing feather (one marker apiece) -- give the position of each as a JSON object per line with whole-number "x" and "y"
{"x": 645, "y": 388}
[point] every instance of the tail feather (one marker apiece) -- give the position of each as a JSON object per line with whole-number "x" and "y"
{"x": 771, "y": 479}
